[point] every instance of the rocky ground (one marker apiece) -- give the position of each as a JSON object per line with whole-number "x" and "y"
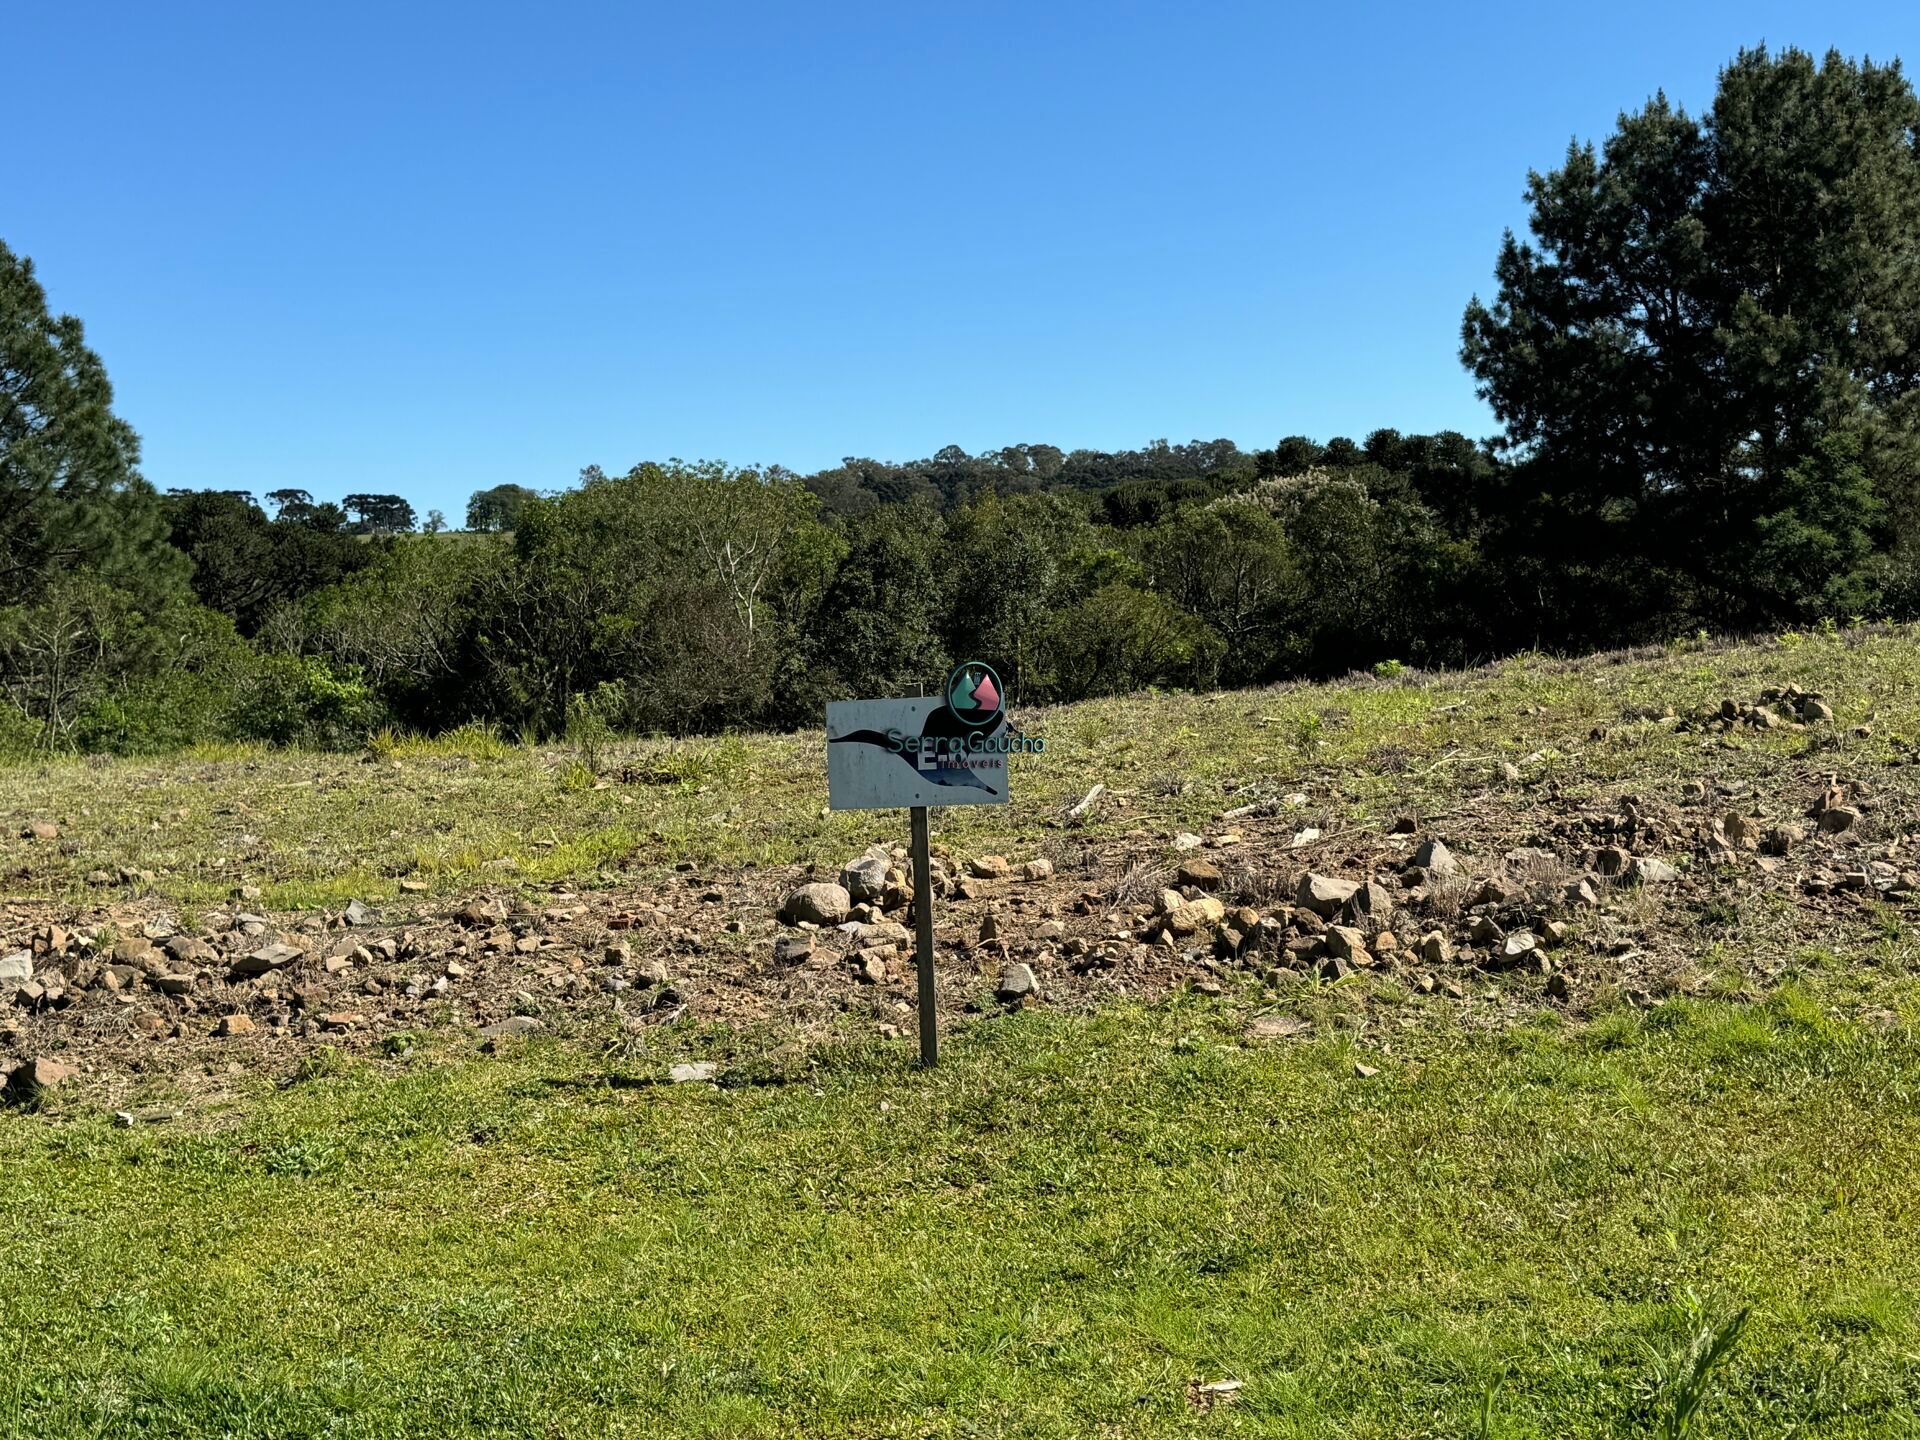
{"x": 1573, "y": 908}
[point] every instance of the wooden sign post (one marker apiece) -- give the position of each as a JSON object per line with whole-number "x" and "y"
{"x": 949, "y": 749}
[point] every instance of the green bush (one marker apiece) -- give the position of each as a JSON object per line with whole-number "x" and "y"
{"x": 301, "y": 700}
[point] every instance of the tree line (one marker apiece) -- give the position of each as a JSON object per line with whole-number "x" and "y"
{"x": 1704, "y": 363}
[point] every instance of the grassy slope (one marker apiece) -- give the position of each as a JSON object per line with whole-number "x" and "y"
{"x": 468, "y": 810}
{"x": 1054, "y": 1233}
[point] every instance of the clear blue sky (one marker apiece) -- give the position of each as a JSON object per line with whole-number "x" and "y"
{"x": 428, "y": 248}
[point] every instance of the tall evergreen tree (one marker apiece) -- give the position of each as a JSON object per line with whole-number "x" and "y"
{"x": 70, "y": 495}
{"x": 1707, "y": 301}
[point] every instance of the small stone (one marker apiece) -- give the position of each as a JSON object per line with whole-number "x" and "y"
{"x": 870, "y": 967}
{"x": 1838, "y": 818}
{"x": 1200, "y": 874}
{"x": 1195, "y": 915}
{"x": 1436, "y": 859}
{"x": 866, "y": 878}
{"x": 44, "y": 1073}
{"x": 1557, "y": 986}
{"x": 1039, "y": 869}
{"x": 1017, "y": 983}
{"x": 1187, "y": 840}
{"x": 817, "y": 904}
{"x": 16, "y": 967}
{"x": 356, "y": 914}
{"x": 1436, "y": 949}
{"x": 1612, "y": 862}
{"x": 1324, "y": 894}
{"x": 235, "y": 1025}
{"x": 413, "y": 887}
{"x": 342, "y": 1020}
{"x": 1649, "y": 871}
{"x": 1347, "y": 944}
{"x": 1518, "y": 947}
{"x": 41, "y": 830}
{"x": 792, "y": 949}
{"x": 698, "y": 1072}
{"x": 989, "y": 867}
{"x": 266, "y": 960}
{"x": 1364, "y": 1072}
{"x": 1816, "y": 712}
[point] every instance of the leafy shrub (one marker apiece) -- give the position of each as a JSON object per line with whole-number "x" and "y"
{"x": 301, "y": 700}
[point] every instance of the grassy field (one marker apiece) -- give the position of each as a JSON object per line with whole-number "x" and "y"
{"x": 1074, "y": 1223}
{"x": 1054, "y": 1234}
{"x": 469, "y": 809}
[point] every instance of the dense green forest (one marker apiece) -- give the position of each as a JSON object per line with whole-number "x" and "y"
{"x": 1705, "y": 360}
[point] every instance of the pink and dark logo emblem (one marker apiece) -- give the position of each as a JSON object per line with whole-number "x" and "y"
{"x": 974, "y": 696}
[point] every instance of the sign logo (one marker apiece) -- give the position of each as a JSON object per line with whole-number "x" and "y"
{"x": 974, "y": 695}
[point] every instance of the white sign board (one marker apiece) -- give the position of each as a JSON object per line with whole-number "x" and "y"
{"x": 893, "y": 754}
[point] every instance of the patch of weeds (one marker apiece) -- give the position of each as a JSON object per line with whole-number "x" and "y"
{"x": 1683, "y": 1376}
{"x": 302, "y": 1157}
{"x": 325, "y": 1063}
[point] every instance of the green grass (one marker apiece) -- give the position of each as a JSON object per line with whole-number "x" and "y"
{"x": 1051, "y": 1235}
{"x": 1531, "y": 1231}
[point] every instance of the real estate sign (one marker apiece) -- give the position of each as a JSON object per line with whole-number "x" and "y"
{"x": 946, "y": 749}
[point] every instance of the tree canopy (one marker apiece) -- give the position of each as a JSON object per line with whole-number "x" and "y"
{"x": 1711, "y": 343}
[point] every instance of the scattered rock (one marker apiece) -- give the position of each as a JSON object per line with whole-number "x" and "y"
{"x": 866, "y": 878}
{"x": 356, "y": 914}
{"x": 1017, "y": 983}
{"x": 1364, "y": 1072}
{"x": 1436, "y": 949}
{"x": 235, "y": 1025}
{"x": 1187, "y": 840}
{"x": 1649, "y": 871}
{"x": 697, "y": 1072}
{"x": 41, "y": 830}
{"x": 1518, "y": 947}
{"x": 266, "y": 960}
{"x": 1039, "y": 869}
{"x": 1200, "y": 874}
{"x": 1837, "y": 818}
{"x": 818, "y": 904}
{"x": 793, "y": 949}
{"x": 1346, "y": 943}
{"x": 989, "y": 867}
{"x": 16, "y": 967}
{"x": 1436, "y": 859}
{"x": 1193, "y": 916}
{"x": 1324, "y": 894}
{"x": 44, "y": 1073}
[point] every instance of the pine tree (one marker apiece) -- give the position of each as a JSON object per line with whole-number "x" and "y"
{"x": 1707, "y": 301}
{"x": 71, "y": 498}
